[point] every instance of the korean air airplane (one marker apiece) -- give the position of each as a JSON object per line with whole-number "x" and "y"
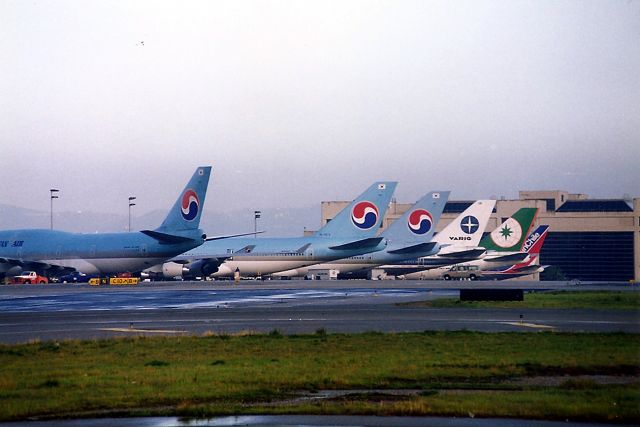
{"x": 52, "y": 253}
{"x": 352, "y": 232}
{"x": 408, "y": 237}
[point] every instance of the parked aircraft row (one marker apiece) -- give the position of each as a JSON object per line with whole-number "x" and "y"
{"x": 350, "y": 243}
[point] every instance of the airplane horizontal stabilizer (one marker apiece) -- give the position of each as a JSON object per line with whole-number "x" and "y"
{"x": 468, "y": 253}
{"x": 515, "y": 258}
{"x": 358, "y": 244}
{"x": 166, "y": 238}
{"x": 419, "y": 248}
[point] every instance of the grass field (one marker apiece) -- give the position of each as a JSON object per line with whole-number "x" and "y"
{"x": 600, "y": 300}
{"x": 532, "y": 375}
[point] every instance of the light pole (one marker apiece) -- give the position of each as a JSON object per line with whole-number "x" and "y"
{"x": 131, "y": 199}
{"x": 53, "y": 193}
{"x": 256, "y": 215}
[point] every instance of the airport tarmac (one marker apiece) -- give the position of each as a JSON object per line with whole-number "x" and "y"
{"x": 56, "y": 312}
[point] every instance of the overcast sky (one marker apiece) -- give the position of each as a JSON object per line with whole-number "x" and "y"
{"x": 294, "y": 102}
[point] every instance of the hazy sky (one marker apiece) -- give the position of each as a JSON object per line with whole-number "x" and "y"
{"x": 294, "y": 102}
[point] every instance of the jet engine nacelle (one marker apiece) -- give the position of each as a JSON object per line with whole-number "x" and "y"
{"x": 204, "y": 267}
{"x": 172, "y": 269}
{"x": 199, "y": 268}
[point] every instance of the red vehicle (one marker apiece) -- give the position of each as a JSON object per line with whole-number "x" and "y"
{"x": 29, "y": 277}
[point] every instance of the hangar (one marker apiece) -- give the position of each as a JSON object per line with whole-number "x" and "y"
{"x": 589, "y": 239}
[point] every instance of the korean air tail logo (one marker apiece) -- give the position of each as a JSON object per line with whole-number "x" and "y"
{"x": 364, "y": 215}
{"x": 190, "y": 205}
{"x": 420, "y": 221}
{"x": 469, "y": 224}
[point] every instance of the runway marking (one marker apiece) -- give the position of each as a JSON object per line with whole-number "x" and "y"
{"x": 529, "y": 325}
{"x": 157, "y": 331}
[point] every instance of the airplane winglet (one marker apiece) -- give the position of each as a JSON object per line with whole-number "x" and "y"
{"x": 246, "y": 250}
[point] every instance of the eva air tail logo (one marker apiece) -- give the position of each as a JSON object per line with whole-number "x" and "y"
{"x": 508, "y": 234}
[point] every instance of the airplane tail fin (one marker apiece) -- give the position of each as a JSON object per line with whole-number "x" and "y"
{"x": 186, "y": 211}
{"x": 534, "y": 242}
{"x": 467, "y": 228}
{"x": 532, "y": 246}
{"x": 419, "y": 222}
{"x": 511, "y": 234}
{"x": 363, "y": 217}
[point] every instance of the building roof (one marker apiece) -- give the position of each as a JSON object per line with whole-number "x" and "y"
{"x": 459, "y": 206}
{"x": 595, "y": 205}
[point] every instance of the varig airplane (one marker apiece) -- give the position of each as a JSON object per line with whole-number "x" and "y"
{"x": 53, "y": 253}
{"x": 504, "y": 248}
{"x": 458, "y": 241}
{"x": 351, "y": 232}
{"x": 408, "y": 237}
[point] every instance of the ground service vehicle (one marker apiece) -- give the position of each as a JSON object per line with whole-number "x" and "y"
{"x": 29, "y": 277}
{"x": 471, "y": 272}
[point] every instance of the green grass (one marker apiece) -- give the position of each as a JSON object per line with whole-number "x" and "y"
{"x": 599, "y": 300}
{"x": 241, "y": 374}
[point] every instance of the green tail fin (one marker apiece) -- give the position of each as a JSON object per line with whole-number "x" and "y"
{"x": 510, "y": 235}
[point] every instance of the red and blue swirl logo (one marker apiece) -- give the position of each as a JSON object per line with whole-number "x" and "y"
{"x": 190, "y": 205}
{"x": 420, "y": 221}
{"x": 364, "y": 215}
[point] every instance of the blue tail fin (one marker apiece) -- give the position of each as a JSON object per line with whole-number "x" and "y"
{"x": 185, "y": 213}
{"x": 363, "y": 217}
{"x": 418, "y": 223}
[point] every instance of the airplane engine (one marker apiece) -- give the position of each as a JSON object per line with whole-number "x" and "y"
{"x": 172, "y": 269}
{"x": 204, "y": 267}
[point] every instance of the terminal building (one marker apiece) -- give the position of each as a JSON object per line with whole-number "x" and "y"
{"x": 588, "y": 239}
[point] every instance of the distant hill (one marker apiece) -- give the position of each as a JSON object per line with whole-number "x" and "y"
{"x": 276, "y": 222}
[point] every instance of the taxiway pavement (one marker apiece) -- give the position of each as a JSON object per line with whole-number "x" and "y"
{"x": 56, "y": 312}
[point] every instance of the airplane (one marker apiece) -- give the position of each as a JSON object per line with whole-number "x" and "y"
{"x": 532, "y": 246}
{"x": 408, "y": 237}
{"x": 503, "y": 248}
{"x": 54, "y": 253}
{"x": 351, "y": 232}
{"x": 458, "y": 241}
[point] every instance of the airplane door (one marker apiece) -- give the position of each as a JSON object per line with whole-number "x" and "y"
{"x": 58, "y": 252}
{"x": 92, "y": 251}
{"x": 143, "y": 250}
